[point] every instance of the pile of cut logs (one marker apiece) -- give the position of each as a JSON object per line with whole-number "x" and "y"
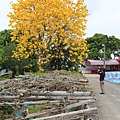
{"x": 65, "y": 95}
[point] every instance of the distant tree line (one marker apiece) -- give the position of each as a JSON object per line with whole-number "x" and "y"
{"x": 96, "y": 46}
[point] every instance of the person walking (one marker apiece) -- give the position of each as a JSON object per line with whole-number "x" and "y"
{"x": 101, "y": 72}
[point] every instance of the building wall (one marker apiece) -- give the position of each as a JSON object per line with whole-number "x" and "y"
{"x": 93, "y": 68}
{"x": 92, "y": 65}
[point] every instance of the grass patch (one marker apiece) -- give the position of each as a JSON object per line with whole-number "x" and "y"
{"x": 4, "y": 77}
{"x": 64, "y": 71}
{"x": 36, "y": 108}
{"x": 37, "y": 74}
{"x": 72, "y": 72}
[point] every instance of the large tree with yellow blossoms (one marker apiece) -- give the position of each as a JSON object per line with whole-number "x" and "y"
{"x": 52, "y": 30}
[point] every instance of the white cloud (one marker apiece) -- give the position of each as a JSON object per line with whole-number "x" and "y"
{"x": 5, "y": 7}
{"x": 104, "y": 18}
{"x": 3, "y": 12}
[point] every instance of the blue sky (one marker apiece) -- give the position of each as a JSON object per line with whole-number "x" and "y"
{"x": 104, "y": 17}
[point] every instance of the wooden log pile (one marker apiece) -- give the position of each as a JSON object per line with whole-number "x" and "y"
{"x": 64, "y": 95}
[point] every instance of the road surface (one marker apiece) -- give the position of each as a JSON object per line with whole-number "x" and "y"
{"x": 108, "y": 104}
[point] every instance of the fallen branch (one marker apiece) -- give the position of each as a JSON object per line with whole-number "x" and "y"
{"x": 46, "y": 98}
{"x": 31, "y": 103}
{"x": 67, "y": 116}
{"x": 51, "y": 93}
{"x": 79, "y": 104}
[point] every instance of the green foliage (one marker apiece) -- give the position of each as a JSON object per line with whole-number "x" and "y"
{"x": 7, "y": 76}
{"x": 36, "y": 108}
{"x": 38, "y": 73}
{"x": 6, "y": 60}
{"x": 6, "y": 111}
{"x": 114, "y": 45}
{"x": 4, "y": 41}
{"x": 71, "y": 72}
{"x": 95, "y": 45}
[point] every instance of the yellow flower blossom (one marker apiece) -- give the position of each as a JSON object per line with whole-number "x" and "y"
{"x": 40, "y": 27}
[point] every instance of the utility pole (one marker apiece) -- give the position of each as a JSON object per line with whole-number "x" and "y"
{"x": 104, "y": 54}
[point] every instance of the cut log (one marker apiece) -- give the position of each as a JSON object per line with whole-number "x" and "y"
{"x": 79, "y": 104}
{"x": 44, "y": 113}
{"x": 63, "y": 93}
{"x": 30, "y": 102}
{"x": 84, "y": 80}
{"x": 67, "y": 116}
{"x": 53, "y": 93}
{"x": 46, "y": 98}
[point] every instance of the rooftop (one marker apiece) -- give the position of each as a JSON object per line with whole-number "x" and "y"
{"x": 101, "y": 62}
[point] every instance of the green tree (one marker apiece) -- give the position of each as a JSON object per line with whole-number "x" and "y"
{"x": 4, "y": 41}
{"x": 6, "y": 48}
{"x": 114, "y": 44}
{"x": 95, "y": 46}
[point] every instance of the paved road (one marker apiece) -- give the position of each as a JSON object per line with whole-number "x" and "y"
{"x": 108, "y": 104}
